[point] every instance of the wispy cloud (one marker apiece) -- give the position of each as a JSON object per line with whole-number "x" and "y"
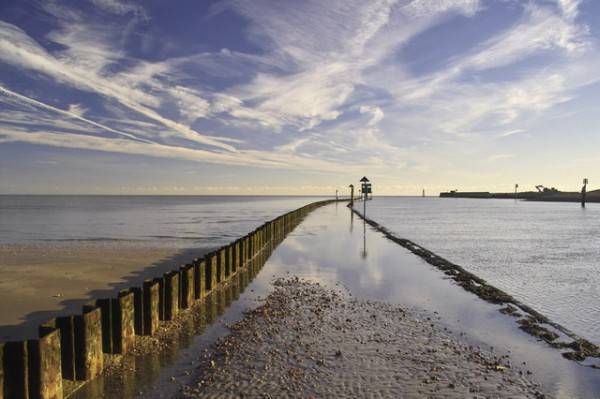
{"x": 511, "y": 133}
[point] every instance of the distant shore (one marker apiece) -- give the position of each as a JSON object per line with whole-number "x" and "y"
{"x": 545, "y": 196}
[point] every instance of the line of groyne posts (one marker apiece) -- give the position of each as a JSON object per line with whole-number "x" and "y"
{"x": 72, "y": 350}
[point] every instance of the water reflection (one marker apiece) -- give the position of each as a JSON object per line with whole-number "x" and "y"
{"x": 364, "y": 250}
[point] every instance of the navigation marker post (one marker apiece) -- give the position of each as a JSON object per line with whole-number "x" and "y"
{"x": 583, "y": 192}
{"x": 366, "y": 190}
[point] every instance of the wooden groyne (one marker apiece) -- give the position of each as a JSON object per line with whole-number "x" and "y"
{"x": 73, "y": 350}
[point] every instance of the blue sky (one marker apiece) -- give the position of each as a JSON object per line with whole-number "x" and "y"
{"x": 292, "y": 97}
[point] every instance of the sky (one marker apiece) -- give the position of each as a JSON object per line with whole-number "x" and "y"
{"x": 298, "y": 97}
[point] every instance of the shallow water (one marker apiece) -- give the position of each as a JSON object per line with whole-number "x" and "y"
{"x": 544, "y": 254}
{"x": 332, "y": 247}
{"x": 158, "y": 221}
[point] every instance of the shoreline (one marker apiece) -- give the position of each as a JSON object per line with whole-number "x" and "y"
{"x": 309, "y": 341}
{"x": 529, "y": 320}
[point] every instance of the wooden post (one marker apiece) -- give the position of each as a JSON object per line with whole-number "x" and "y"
{"x": 105, "y": 305}
{"x": 66, "y": 326}
{"x": 199, "y": 278}
{"x": 45, "y": 377}
{"x": 123, "y": 322}
{"x": 221, "y": 258}
{"x": 186, "y": 284}
{"x": 16, "y": 372}
{"x": 151, "y": 312}
{"x": 171, "y": 295}
{"x": 211, "y": 271}
{"x": 1, "y": 370}
{"x": 89, "y": 360}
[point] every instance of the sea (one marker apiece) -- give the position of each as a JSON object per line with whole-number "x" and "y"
{"x": 545, "y": 254}
{"x": 180, "y": 222}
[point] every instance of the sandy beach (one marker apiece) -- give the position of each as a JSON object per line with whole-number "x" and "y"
{"x": 39, "y": 280}
{"x": 310, "y": 341}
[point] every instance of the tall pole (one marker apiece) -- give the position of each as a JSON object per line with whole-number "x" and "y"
{"x": 365, "y": 204}
{"x": 351, "y": 195}
{"x": 336, "y": 195}
{"x": 516, "y": 191}
{"x": 583, "y": 192}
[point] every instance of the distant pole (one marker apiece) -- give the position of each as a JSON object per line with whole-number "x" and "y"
{"x": 351, "y": 195}
{"x": 423, "y": 192}
{"x": 516, "y": 191}
{"x": 583, "y": 192}
{"x": 365, "y": 206}
{"x": 336, "y": 195}
{"x": 366, "y": 189}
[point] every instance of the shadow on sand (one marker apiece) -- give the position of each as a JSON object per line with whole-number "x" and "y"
{"x": 28, "y": 329}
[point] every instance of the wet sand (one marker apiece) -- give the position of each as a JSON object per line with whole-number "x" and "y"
{"x": 311, "y": 341}
{"x": 38, "y": 281}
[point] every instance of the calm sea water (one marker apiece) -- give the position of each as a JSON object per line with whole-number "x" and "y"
{"x": 173, "y": 221}
{"x": 545, "y": 254}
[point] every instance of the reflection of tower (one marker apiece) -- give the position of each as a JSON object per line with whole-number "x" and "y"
{"x": 364, "y": 251}
{"x": 351, "y": 220}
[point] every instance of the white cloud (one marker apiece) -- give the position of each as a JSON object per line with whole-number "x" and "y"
{"x": 569, "y": 8}
{"x": 120, "y": 7}
{"x": 77, "y": 109}
{"x": 511, "y": 133}
{"x": 376, "y": 114}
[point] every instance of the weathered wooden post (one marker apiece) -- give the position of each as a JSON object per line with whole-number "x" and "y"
{"x": 351, "y": 195}
{"x": 123, "y": 323}
{"x": 151, "y": 306}
{"x": 583, "y": 192}
{"x": 16, "y": 373}
{"x": 89, "y": 360}
{"x": 1, "y": 370}
{"x": 199, "y": 278}
{"x": 45, "y": 377}
{"x": 171, "y": 295}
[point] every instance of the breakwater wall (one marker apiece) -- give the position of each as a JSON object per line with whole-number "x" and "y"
{"x": 73, "y": 350}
